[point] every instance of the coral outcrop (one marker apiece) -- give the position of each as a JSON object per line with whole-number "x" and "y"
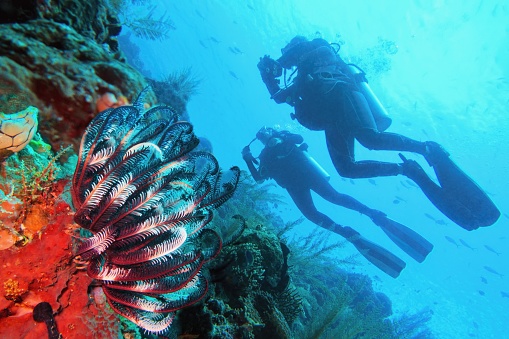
{"x": 61, "y": 62}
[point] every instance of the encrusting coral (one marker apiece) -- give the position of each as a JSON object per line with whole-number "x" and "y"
{"x": 31, "y": 181}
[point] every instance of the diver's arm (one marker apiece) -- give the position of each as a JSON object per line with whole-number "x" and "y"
{"x": 254, "y": 172}
{"x": 250, "y": 160}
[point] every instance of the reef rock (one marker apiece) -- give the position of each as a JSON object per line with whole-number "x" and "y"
{"x": 50, "y": 65}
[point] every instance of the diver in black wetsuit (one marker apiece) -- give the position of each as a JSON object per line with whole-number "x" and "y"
{"x": 327, "y": 97}
{"x": 285, "y": 159}
{"x": 331, "y": 96}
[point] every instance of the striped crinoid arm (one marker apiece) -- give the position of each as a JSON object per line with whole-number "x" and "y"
{"x": 136, "y": 234}
{"x": 157, "y": 323}
{"x": 97, "y": 244}
{"x": 151, "y": 126}
{"x": 100, "y": 268}
{"x": 105, "y": 133}
{"x": 109, "y": 195}
{"x": 150, "y": 248}
{"x": 177, "y": 140}
{"x": 163, "y": 196}
{"x": 220, "y": 190}
{"x": 172, "y": 282}
{"x": 187, "y": 295}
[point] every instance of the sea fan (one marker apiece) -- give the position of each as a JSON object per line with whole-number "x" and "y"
{"x": 147, "y": 198}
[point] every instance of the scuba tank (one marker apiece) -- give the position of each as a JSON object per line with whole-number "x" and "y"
{"x": 382, "y": 119}
{"x": 315, "y": 166}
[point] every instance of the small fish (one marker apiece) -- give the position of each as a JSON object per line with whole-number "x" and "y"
{"x": 352, "y": 182}
{"x": 411, "y": 183}
{"x": 491, "y": 249}
{"x": 506, "y": 215}
{"x": 491, "y": 270}
{"x": 372, "y": 182}
{"x": 476, "y": 325}
{"x": 199, "y": 14}
{"x": 440, "y": 222}
{"x": 400, "y": 198}
{"x": 430, "y": 216}
{"x": 237, "y": 50}
{"x": 481, "y": 292}
{"x": 504, "y": 294}
{"x": 214, "y": 40}
{"x": 464, "y": 243}
{"x": 202, "y": 43}
{"x": 234, "y": 75}
{"x": 451, "y": 240}
{"x": 396, "y": 201}
{"x": 403, "y": 184}
{"x": 484, "y": 280}
{"x": 425, "y": 133}
{"x": 250, "y": 7}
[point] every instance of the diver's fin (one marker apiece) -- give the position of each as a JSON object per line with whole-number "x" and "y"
{"x": 377, "y": 255}
{"x": 458, "y": 196}
{"x": 407, "y": 239}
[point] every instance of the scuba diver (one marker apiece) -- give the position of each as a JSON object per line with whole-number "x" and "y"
{"x": 285, "y": 159}
{"x": 332, "y": 96}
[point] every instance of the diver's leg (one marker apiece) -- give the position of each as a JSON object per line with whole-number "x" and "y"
{"x": 304, "y": 202}
{"x": 341, "y": 151}
{"x": 366, "y": 132}
{"x": 374, "y": 140}
{"x": 324, "y": 189}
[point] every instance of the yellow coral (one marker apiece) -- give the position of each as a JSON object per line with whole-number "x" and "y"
{"x": 12, "y": 291}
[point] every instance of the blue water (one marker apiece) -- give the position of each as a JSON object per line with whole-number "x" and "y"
{"x": 442, "y": 70}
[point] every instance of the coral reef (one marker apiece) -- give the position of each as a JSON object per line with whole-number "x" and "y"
{"x": 176, "y": 89}
{"x": 75, "y": 14}
{"x": 59, "y": 61}
{"x": 263, "y": 283}
{"x": 251, "y": 295}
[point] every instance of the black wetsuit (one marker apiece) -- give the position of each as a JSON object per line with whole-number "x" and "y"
{"x": 327, "y": 98}
{"x": 283, "y": 160}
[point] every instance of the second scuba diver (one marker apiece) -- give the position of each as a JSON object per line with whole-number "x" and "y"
{"x": 285, "y": 159}
{"x": 332, "y": 96}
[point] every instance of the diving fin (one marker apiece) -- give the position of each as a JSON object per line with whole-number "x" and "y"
{"x": 458, "y": 196}
{"x": 377, "y": 255}
{"x": 480, "y": 209}
{"x": 407, "y": 239}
